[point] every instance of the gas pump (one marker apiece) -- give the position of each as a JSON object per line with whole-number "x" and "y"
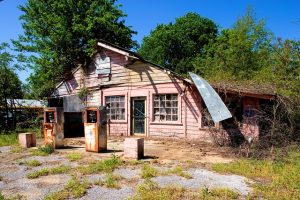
{"x": 95, "y": 122}
{"x": 53, "y": 126}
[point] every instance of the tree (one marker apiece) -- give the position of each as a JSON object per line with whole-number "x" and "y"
{"x": 238, "y": 53}
{"x": 174, "y": 46}
{"x": 61, "y": 34}
{"x": 10, "y": 88}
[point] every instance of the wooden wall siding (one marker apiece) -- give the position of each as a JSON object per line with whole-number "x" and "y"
{"x": 140, "y": 79}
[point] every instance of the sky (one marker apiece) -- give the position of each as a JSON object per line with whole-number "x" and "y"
{"x": 282, "y": 17}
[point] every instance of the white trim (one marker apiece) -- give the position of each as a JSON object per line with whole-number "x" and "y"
{"x": 116, "y": 50}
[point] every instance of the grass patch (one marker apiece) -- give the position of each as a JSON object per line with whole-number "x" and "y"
{"x": 1, "y": 196}
{"x": 107, "y": 165}
{"x": 217, "y": 193}
{"x": 74, "y": 156}
{"x": 16, "y": 149}
{"x": 74, "y": 188}
{"x": 150, "y": 190}
{"x": 49, "y": 171}
{"x": 30, "y": 163}
{"x": 8, "y": 139}
{"x": 1, "y": 178}
{"x": 149, "y": 172}
{"x": 111, "y": 181}
{"x": 282, "y": 175}
{"x": 43, "y": 151}
{"x": 179, "y": 172}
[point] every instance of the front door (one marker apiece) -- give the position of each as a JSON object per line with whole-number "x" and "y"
{"x": 138, "y": 116}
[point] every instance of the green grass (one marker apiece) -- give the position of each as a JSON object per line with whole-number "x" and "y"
{"x": 107, "y": 165}
{"x": 30, "y": 163}
{"x": 1, "y": 196}
{"x": 17, "y": 149}
{"x": 43, "y": 151}
{"x": 74, "y": 156}
{"x": 74, "y": 188}
{"x": 149, "y": 172}
{"x": 217, "y": 193}
{"x": 111, "y": 181}
{"x": 179, "y": 172}
{"x": 150, "y": 190}
{"x": 279, "y": 178}
{"x": 8, "y": 139}
{"x": 48, "y": 171}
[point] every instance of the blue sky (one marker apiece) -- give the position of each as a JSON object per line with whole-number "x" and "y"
{"x": 282, "y": 17}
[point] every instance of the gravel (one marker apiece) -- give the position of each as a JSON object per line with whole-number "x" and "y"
{"x": 96, "y": 193}
{"x": 205, "y": 178}
{"x": 128, "y": 173}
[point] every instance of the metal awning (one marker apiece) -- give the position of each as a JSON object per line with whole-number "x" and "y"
{"x": 212, "y": 100}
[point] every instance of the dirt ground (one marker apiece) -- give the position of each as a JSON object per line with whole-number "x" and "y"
{"x": 167, "y": 150}
{"x": 196, "y": 157}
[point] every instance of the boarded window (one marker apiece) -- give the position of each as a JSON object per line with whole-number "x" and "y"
{"x": 117, "y": 107}
{"x": 165, "y": 107}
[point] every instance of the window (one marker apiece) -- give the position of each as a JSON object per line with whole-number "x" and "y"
{"x": 117, "y": 107}
{"x": 165, "y": 107}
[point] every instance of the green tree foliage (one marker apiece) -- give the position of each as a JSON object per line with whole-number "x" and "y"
{"x": 175, "y": 45}
{"x": 62, "y": 34}
{"x": 238, "y": 53}
{"x": 10, "y": 87}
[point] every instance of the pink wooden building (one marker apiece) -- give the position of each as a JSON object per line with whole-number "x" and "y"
{"x": 145, "y": 99}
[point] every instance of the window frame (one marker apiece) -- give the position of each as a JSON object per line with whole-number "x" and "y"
{"x": 179, "y": 108}
{"x": 125, "y": 107}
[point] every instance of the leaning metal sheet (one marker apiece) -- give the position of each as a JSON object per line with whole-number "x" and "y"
{"x": 212, "y": 100}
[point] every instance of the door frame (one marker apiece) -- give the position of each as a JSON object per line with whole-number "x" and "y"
{"x": 131, "y": 116}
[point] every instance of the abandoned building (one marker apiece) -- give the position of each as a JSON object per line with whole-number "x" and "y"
{"x": 145, "y": 99}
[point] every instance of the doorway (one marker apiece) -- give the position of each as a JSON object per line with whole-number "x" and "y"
{"x": 138, "y": 115}
{"x": 73, "y": 125}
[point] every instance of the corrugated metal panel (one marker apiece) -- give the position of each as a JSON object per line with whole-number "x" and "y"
{"x": 212, "y": 100}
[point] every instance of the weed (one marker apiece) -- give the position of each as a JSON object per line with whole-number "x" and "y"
{"x": 217, "y": 193}
{"x": 149, "y": 190}
{"x": 179, "y": 172}
{"x": 16, "y": 149}
{"x": 1, "y": 178}
{"x": 1, "y": 196}
{"x": 47, "y": 171}
{"x": 149, "y": 171}
{"x": 111, "y": 181}
{"x": 107, "y": 165}
{"x": 282, "y": 175}
{"x": 133, "y": 162}
{"x": 30, "y": 163}
{"x": 74, "y": 156}
{"x": 8, "y": 139}
{"x": 74, "y": 188}
{"x": 43, "y": 150}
